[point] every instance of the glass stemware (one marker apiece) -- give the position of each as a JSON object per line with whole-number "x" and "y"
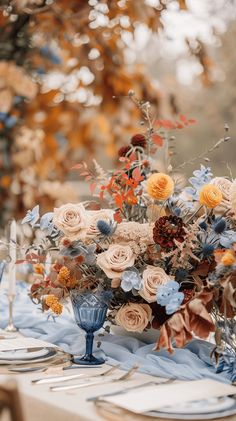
{"x": 90, "y": 311}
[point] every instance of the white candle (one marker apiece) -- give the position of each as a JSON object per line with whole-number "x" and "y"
{"x": 12, "y": 264}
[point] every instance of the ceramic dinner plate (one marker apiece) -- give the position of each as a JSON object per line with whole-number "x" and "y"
{"x": 202, "y": 406}
{"x": 24, "y": 356}
{"x": 224, "y": 408}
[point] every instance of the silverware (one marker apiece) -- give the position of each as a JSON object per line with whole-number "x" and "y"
{"x": 27, "y": 369}
{"x": 74, "y": 366}
{"x": 127, "y": 389}
{"x": 124, "y": 377}
{"x": 62, "y": 379}
{"x": 120, "y": 392}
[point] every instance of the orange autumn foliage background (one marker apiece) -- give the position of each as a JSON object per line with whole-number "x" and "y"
{"x": 66, "y": 100}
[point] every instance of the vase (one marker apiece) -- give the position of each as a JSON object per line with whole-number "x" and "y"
{"x": 149, "y": 336}
{"x": 90, "y": 311}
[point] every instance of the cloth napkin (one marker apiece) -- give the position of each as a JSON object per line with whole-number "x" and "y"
{"x": 191, "y": 363}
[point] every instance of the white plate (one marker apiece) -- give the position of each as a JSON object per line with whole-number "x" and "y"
{"x": 203, "y": 406}
{"x": 194, "y": 417}
{"x": 23, "y": 354}
{"x": 47, "y": 354}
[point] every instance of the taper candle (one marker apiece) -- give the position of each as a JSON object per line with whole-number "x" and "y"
{"x": 12, "y": 264}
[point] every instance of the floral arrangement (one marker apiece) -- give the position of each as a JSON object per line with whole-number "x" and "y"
{"x": 167, "y": 253}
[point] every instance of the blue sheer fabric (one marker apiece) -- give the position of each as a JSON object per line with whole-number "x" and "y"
{"x": 192, "y": 362}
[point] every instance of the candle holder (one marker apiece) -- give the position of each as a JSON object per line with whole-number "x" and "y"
{"x": 11, "y": 327}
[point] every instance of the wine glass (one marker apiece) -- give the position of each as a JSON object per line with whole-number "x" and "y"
{"x": 90, "y": 311}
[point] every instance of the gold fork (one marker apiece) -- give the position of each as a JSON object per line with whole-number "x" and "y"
{"x": 123, "y": 377}
{"x": 62, "y": 379}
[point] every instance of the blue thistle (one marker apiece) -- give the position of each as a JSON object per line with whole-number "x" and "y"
{"x": 105, "y": 228}
{"x": 207, "y": 250}
{"x": 181, "y": 274}
{"x": 203, "y": 225}
{"x": 219, "y": 225}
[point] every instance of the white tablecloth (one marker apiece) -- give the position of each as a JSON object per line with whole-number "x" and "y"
{"x": 39, "y": 403}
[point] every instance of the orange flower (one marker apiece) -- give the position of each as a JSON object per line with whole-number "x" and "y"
{"x": 228, "y": 258}
{"x": 131, "y": 200}
{"x": 210, "y": 196}
{"x": 52, "y": 302}
{"x": 64, "y": 278}
{"x": 160, "y": 186}
{"x": 39, "y": 268}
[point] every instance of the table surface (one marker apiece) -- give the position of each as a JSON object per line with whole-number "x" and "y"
{"x": 38, "y": 399}
{"x": 39, "y": 402}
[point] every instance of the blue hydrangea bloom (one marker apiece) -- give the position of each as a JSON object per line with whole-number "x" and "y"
{"x": 169, "y": 296}
{"x": 175, "y": 302}
{"x": 166, "y": 291}
{"x": 227, "y": 238}
{"x": 32, "y": 216}
{"x": 130, "y": 280}
{"x": 200, "y": 177}
{"x": 46, "y": 223}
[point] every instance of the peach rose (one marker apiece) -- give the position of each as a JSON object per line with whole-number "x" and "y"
{"x": 210, "y": 196}
{"x": 72, "y": 220}
{"x": 160, "y": 186}
{"x": 153, "y": 277}
{"x": 95, "y": 216}
{"x": 134, "y": 317}
{"x": 115, "y": 260}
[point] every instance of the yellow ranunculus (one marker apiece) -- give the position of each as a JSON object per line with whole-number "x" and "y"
{"x": 160, "y": 186}
{"x": 210, "y": 196}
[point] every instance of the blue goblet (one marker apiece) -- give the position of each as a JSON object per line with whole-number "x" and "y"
{"x": 90, "y": 311}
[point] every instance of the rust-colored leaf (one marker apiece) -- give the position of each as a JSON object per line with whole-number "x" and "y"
{"x": 77, "y": 167}
{"x": 158, "y": 140}
{"x": 118, "y": 217}
{"x": 119, "y": 200}
{"x": 92, "y": 187}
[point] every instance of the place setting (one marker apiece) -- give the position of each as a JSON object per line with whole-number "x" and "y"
{"x": 156, "y": 402}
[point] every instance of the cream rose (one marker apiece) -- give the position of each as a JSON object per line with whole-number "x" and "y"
{"x": 134, "y": 317}
{"x": 225, "y": 186}
{"x": 115, "y": 260}
{"x": 72, "y": 220}
{"x": 153, "y": 277}
{"x": 95, "y": 216}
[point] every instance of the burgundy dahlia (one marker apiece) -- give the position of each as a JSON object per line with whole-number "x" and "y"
{"x": 139, "y": 140}
{"x": 123, "y": 151}
{"x": 167, "y": 229}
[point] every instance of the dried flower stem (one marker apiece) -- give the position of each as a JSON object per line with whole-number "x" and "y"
{"x": 203, "y": 154}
